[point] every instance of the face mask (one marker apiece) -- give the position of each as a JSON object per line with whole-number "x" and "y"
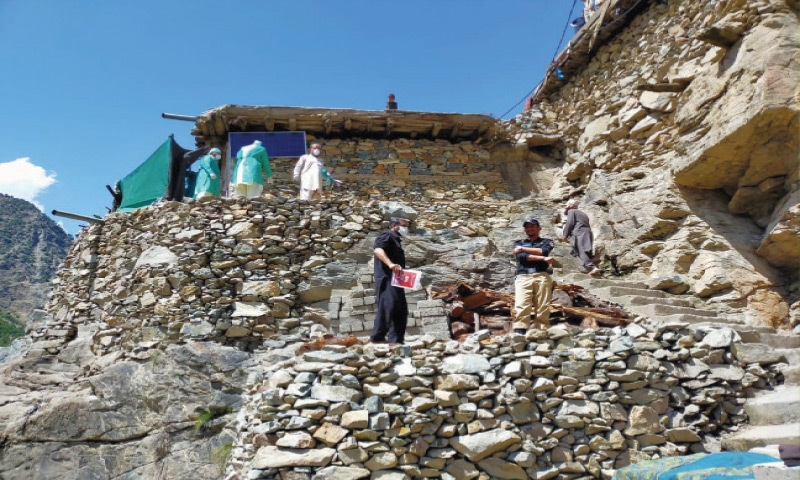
{"x": 316, "y": 152}
{"x": 403, "y": 230}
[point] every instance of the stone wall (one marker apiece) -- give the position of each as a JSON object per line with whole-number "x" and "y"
{"x": 239, "y": 272}
{"x": 681, "y": 136}
{"x": 404, "y": 167}
{"x": 561, "y": 403}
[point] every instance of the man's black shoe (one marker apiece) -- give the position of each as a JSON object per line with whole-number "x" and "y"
{"x": 520, "y": 331}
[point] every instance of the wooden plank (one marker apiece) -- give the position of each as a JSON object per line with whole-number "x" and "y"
{"x": 476, "y": 300}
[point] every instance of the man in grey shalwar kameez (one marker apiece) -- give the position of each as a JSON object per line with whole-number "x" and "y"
{"x": 579, "y": 233}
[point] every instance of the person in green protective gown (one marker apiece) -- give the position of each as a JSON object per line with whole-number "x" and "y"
{"x": 208, "y": 180}
{"x": 247, "y": 178}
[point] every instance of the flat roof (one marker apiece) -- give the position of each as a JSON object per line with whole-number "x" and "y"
{"x": 348, "y": 123}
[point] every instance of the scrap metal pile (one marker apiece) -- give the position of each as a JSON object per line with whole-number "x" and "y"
{"x": 470, "y": 309}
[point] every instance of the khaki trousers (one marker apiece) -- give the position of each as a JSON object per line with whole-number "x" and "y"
{"x": 532, "y": 295}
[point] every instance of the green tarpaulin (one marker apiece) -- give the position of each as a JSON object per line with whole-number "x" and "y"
{"x": 145, "y": 185}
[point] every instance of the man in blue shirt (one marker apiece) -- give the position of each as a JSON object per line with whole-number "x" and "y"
{"x": 533, "y": 287}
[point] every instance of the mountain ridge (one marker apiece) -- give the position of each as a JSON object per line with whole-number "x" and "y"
{"x": 32, "y": 247}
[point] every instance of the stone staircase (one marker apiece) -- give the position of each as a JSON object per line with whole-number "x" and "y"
{"x": 774, "y": 414}
{"x": 637, "y": 298}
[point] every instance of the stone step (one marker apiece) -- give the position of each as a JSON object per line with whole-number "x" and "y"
{"x": 792, "y": 354}
{"x": 656, "y": 311}
{"x": 693, "y": 321}
{"x": 763, "y": 435}
{"x": 791, "y": 375}
{"x": 748, "y": 333}
{"x": 778, "y": 406}
{"x": 778, "y": 340}
{"x": 613, "y": 291}
{"x": 589, "y": 282}
{"x": 676, "y": 301}
{"x": 791, "y": 372}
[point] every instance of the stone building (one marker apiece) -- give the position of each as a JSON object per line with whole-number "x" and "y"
{"x": 172, "y": 340}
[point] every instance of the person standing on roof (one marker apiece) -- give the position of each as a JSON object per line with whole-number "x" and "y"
{"x": 309, "y": 171}
{"x": 579, "y": 233}
{"x": 208, "y": 182}
{"x": 247, "y": 180}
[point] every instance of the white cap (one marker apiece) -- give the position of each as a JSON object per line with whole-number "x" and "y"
{"x": 572, "y": 202}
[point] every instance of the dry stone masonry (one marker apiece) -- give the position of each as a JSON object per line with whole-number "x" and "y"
{"x": 560, "y": 403}
{"x": 236, "y": 272}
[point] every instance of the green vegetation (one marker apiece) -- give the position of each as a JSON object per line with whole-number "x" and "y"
{"x": 221, "y": 455}
{"x": 202, "y": 419}
{"x": 10, "y": 328}
{"x": 209, "y": 415}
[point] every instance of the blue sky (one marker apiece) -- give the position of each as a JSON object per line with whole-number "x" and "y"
{"x": 84, "y": 82}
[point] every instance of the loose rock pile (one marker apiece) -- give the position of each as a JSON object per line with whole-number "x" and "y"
{"x": 558, "y": 404}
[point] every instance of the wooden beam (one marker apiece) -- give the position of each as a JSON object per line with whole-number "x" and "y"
{"x": 219, "y": 125}
{"x": 202, "y": 126}
{"x": 437, "y": 126}
{"x": 292, "y": 124}
{"x": 454, "y": 131}
{"x": 369, "y": 125}
{"x": 348, "y": 124}
{"x": 269, "y": 124}
{"x": 597, "y": 27}
{"x": 389, "y": 125}
{"x": 328, "y": 123}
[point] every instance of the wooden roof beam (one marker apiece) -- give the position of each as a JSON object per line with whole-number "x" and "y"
{"x": 348, "y": 124}
{"x": 219, "y": 125}
{"x": 437, "y": 127}
{"x": 328, "y": 124}
{"x": 454, "y": 131}
{"x": 389, "y": 125}
{"x": 292, "y": 124}
{"x": 269, "y": 124}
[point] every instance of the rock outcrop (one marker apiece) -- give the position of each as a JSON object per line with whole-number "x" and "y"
{"x": 686, "y": 152}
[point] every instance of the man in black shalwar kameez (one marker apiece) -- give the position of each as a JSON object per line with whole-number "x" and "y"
{"x": 392, "y": 314}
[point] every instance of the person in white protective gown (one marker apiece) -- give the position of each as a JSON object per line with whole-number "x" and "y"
{"x": 309, "y": 171}
{"x": 247, "y": 179}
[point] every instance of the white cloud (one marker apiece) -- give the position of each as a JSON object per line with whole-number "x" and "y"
{"x": 22, "y": 179}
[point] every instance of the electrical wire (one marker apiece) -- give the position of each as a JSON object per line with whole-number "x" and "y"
{"x": 604, "y": 27}
{"x": 558, "y": 47}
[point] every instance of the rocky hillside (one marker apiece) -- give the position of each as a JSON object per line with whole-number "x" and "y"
{"x": 685, "y": 152}
{"x": 175, "y": 340}
{"x": 32, "y": 247}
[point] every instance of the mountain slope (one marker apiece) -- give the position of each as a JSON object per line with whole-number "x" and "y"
{"x": 32, "y": 246}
